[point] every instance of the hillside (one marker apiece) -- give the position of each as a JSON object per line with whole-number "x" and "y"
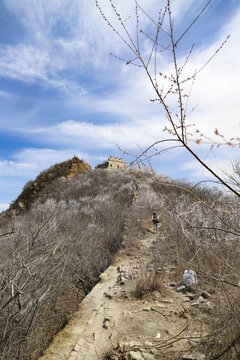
{"x": 67, "y": 169}
{"x": 53, "y": 252}
{"x": 75, "y": 227}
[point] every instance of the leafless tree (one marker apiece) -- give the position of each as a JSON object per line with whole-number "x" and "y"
{"x": 174, "y": 87}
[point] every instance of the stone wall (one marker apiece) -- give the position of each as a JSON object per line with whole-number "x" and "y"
{"x": 116, "y": 163}
{"x": 113, "y": 163}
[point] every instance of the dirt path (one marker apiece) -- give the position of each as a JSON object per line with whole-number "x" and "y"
{"x": 110, "y": 317}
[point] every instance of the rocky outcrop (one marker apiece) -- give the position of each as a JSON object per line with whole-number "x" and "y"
{"x": 67, "y": 169}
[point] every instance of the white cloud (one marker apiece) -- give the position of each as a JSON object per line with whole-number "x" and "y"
{"x": 104, "y": 136}
{"x": 23, "y": 62}
{"x": 72, "y": 36}
{"x": 62, "y": 34}
{"x": 30, "y": 65}
{"x": 29, "y": 162}
{"x": 67, "y": 35}
{"x": 129, "y": 98}
{"x": 220, "y": 165}
{"x": 6, "y": 94}
{"x": 217, "y": 90}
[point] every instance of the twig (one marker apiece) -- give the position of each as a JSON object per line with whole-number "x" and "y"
{"x": 193, "y": 22}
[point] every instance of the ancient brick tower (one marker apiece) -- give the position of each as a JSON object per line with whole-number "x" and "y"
{"x": 113, "y": 163}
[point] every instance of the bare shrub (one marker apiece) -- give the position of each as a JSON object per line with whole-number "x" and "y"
{"x": 151, "y": 277}
{"x": 147, "y": 284}
{"x": 234, "y": 176}
{"x": 224, "y": 325}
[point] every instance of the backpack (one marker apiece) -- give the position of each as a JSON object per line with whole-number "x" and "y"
{"x": 190, "y": 278}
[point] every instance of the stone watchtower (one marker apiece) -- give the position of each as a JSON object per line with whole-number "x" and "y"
{"x": 113, "y": 163}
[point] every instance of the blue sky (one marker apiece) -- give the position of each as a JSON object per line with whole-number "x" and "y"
{"x": 62, "y": 94}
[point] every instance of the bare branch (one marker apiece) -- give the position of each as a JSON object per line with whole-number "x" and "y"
{"x": 193, "y": 22}
{"x": 154, "y": 144}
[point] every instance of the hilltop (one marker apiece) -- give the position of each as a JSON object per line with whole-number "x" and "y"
{"x": 32, "y": 189}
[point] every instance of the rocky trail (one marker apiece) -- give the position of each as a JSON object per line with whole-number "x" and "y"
{"x": 110, "y": 319}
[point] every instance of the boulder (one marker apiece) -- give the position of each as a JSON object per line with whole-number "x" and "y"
{"x": 135, "y": 344}
{"x": 148, "y": 356}
{"x": 205, "y": 295}
{"x": 135, "y": 355}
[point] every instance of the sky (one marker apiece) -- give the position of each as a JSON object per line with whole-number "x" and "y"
{"x": 63, "y": 94}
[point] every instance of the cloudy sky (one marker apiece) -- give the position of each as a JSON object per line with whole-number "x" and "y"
{"x": 63, "y": 94}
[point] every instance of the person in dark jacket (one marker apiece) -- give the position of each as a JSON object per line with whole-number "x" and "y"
{"x": 155, "y": 221}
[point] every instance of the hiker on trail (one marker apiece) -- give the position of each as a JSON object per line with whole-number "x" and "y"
{"x": 155, "y": 221}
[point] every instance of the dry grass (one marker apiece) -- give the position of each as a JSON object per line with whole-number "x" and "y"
{"x": 146, "y": 285}
{"x": 151, "y": 278}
